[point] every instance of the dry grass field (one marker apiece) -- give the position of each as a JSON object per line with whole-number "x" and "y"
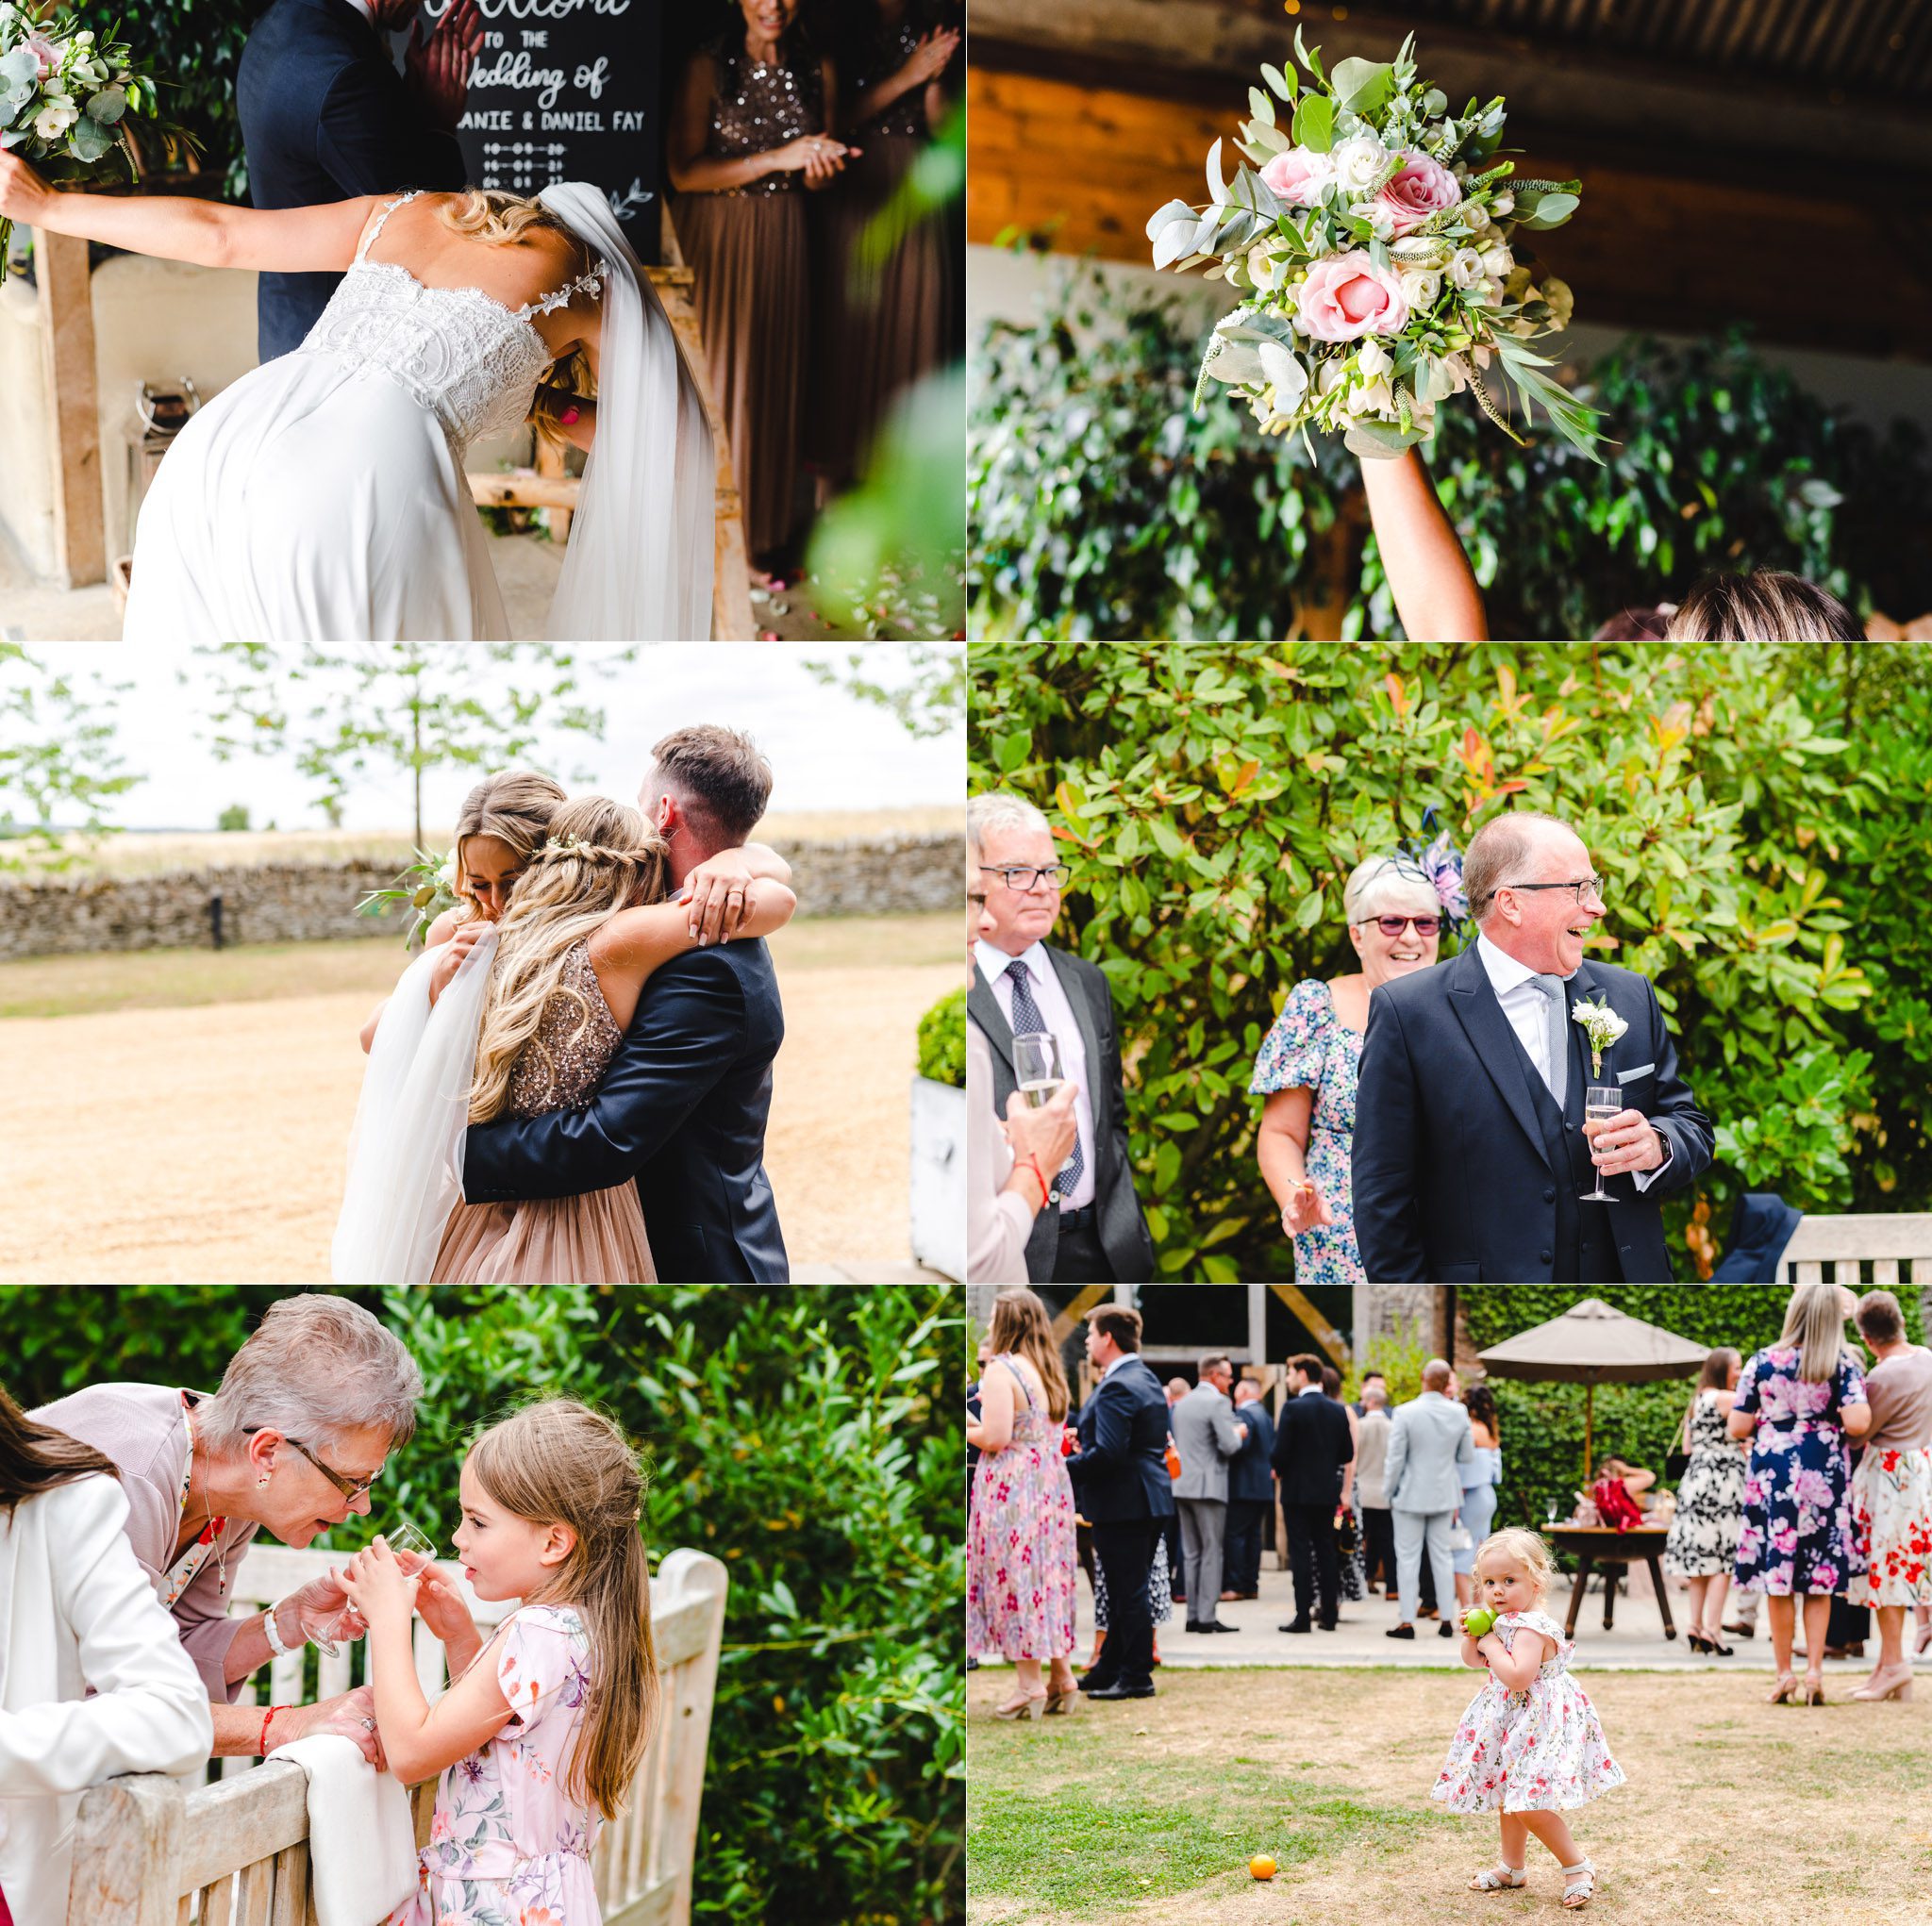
{"x": 1733, "y": 1812}
{"x": 178, "y": 1115}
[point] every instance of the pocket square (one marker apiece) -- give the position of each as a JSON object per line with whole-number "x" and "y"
{"x": 1630, "y": 1077}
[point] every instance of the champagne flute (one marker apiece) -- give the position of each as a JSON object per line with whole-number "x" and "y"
{"x": 1037, "y": 1066}
{"x": 1600, "y": 1104}
{"x": 412, "y": 1553}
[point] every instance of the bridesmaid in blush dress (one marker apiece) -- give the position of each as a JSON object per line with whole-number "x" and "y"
{"x": 752, "y": 129}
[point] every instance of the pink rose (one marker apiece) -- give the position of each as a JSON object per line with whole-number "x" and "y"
{"x": 1347, "y": 296}
{"x": 45, "y": 52}
{"x": 1297, "y": 177}
{"x": 1422, "y": 188}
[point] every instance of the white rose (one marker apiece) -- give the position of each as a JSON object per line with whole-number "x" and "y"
{"x": 1466, "y": 268}
{"x": 1263, "y": 265}
{"x": 1475, "y": 217}
{"x": 1288, "y": 378}
{"x": 1372, "y": 399}
{"x": 1420, "y": 288}
{"x": 1360, "y": 163}
{"x": 1331, "y": 373}
{"x": 1372, "y": 359}
{"x": 54, "y": 118}
{"x": 1502, "y": 205}
{"x": 1497, "y": 260}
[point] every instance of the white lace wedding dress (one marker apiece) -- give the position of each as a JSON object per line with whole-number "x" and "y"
{"x": 323, "y": 496}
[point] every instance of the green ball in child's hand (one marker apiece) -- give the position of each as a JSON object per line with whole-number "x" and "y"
{"x": 1480, "y": 1621}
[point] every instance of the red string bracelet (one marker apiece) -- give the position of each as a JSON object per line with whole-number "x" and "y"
{"x": 1032, "y": 1163}
{"x": 266, "y": 1716}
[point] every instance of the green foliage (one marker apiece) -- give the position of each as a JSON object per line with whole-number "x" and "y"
{"x": 942, "y": 1041}
{"x": 234, "y": 818}
{"x": 1541, "y": 1424}
{"x": 57, "y": 763}
{"x": 197, "y": 47}
{"x": 1761, "y": 812}
{"x": 1103, "y": 506}
{"x": 1399, "y": 1358}
{"x": 391, "y": 705}
{"x": 928, "y": 699}
{"x": 808, "y": 1436}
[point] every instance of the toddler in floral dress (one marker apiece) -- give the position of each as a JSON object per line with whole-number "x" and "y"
{"x": 542, "y": 1730}
{"x": 1530, "y": 1745}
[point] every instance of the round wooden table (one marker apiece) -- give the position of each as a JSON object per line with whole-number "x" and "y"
{"x": 1606, "y": 1545}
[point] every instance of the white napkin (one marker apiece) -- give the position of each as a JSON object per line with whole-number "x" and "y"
{"x": 361, "y": 1834}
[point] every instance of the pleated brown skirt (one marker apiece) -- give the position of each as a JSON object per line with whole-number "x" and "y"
{"x": 751, "y": 259}
{"x": 882, "y": 327}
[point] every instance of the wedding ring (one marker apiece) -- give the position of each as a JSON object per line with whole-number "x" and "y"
{"x": 369, "y": 1725}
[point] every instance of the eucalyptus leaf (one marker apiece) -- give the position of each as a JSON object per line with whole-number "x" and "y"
{"x": 1311, "y": 58}
{"x": 1363, "y": 86}
{"x": 86, "y": 139}
{"x": 1380, "y": 440}
{"x": 1260, "y": 107}
{"x": 1169, "y": 211}
{"x": 1314, "y": 123}
{"x": 1283, "y": 84}
{"x": 1217, "y": 187}
{"x": 107, "y": 105}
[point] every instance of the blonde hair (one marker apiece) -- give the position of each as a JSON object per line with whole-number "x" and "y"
{"x": 1766, "y": 606}
{"x": 1525, "y": 1548}
{"x": 1019, "y": 1324}
{"x": 515, "y": 807}
{"x": 1815, "y": 1326}
{"x": 560, "y": 1462}
{"x": 600, "y": 857}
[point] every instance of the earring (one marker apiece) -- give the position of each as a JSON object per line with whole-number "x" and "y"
{"x": 263, "y": 1479}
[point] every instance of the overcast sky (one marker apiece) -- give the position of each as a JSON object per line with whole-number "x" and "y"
{"x": 829, "y": 752}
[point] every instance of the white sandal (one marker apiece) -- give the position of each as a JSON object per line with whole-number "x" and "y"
{"x": 1579, "y": 1883}
{"x": 1499, "y": 1879}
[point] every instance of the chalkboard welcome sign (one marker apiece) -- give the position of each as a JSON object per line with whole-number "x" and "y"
{"x": 569, "y": 90}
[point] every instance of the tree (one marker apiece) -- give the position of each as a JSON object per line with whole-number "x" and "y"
{"x": 58, "y": 761}
{"x": 930, "y": 701}
{"x": 411, "y": 706}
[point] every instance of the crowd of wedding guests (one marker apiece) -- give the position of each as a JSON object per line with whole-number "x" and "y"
{"x": 1807, "y": 1479}
{"x": 794, "y": 124}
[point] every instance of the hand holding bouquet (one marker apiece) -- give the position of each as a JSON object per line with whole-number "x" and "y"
{"x": 1379, "y": 257}
{"x": 68, "y": 100}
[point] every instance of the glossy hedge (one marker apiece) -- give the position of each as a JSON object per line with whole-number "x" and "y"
{"x": 805, "y": 1435}
{"x": 1764, "y": 815}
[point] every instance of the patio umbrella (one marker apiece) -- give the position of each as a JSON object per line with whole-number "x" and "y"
{"x": 1594, "y": 1344}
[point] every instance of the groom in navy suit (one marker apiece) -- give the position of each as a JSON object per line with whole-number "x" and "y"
{"x": 1469, "y": 1154}
{"x": 683, "y": 1105}
{"x": 327, "y": 117}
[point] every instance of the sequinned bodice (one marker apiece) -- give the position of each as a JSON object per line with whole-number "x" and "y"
{"x": 906, "y": 115}
{"x": 758, "y": 107}
{"x": 461, "y": 354}
{"x": 575, "y": 1040}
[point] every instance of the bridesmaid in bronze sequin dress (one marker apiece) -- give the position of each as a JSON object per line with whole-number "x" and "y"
{"x": 882, "y": 327}
{"x": 586, "y": 927}
{"x": 753, "y": 130}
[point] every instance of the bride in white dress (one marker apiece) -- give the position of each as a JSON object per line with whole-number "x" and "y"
{"x": 323, "y": 496}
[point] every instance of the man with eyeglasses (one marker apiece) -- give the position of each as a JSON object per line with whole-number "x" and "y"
{"x": 1469, "y": 1161}
{"x": 1091, "y": 1230}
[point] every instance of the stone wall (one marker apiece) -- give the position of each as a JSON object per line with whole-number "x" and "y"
{"x": 304, "y": 902}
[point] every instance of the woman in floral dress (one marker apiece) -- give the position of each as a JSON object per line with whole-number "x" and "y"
{"x": 1021, "y": 1557}
{"x": 1309, "y": 1065}
{"x": 1703, "y": 1542}
{"x": 1801, "y": 1398}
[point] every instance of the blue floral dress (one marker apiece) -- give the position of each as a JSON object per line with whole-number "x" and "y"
{"x": 1799, "y": 1535}
{"x": 1310, "y": 1048}
{"x": 507, "y": 1844}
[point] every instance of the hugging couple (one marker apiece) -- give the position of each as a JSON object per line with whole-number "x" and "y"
{"x": 571, "y": 1084}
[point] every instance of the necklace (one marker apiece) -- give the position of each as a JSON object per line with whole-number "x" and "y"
{"x": 211, "y": 1532}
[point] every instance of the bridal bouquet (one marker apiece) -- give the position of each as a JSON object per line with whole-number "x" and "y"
{"x": 1380, "y": 258}
{"x": 427, "y": 886}
{"x": 68, "y": 99}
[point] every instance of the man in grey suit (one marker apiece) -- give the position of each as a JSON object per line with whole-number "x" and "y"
{"x": 1430, "y": 1438}
{"x": 1091, "y": 1230}
{"x": 1207, "y": 1436}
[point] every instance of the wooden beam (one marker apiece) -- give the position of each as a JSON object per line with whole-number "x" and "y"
{"x": 1077, "y": 1308}
{"x": 67, "y": 331}
{"x": 1318, "y": 1327}
{"x": 1086, "y": 165}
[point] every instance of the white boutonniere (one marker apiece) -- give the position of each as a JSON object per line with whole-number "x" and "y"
{"x": 1602, "y": 1026}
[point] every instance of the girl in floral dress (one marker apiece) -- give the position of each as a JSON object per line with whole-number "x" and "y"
{"x": 542, "y": 1728}
{"x": 1801, "y": 1398}
{"x": 1530, "y": 1745}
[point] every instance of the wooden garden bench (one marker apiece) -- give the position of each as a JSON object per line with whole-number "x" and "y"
{"x": 1884, "y": 1241}
{"x": 235, "y": 1853}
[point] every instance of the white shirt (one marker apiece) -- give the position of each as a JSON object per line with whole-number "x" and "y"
{"x": 1126, "y": 1357}
{"x": 361, "y": 7}
{"x": 1525, "y": 1005}
{"x": 1310, "y": 1390}
{"x": 1057, "y": 1013}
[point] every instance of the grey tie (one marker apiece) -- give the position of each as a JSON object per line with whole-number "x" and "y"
{"x": 1557, "y": 1036}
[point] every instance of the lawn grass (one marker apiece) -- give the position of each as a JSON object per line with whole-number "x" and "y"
{"x": 1149, "y": 1810}
{"x": 267, "y": 973}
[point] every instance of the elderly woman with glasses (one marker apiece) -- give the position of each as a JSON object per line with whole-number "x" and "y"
{"x": 1308, "y": 1065}
{"x": 307, "y": 1411}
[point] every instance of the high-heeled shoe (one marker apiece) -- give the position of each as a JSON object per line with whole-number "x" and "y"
{"x": 1887, "y": 1682}
{"x": 1713, "y": 1645}
{"x": 1063, "y": 1705}
{"x": 1814, "y": 1692}
{"x": 1785, "y": 1692}
{"x": 1923, "y": 1640}
{"x": 1034, "y": 1707}
{"x": 1698, "y": 1642}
